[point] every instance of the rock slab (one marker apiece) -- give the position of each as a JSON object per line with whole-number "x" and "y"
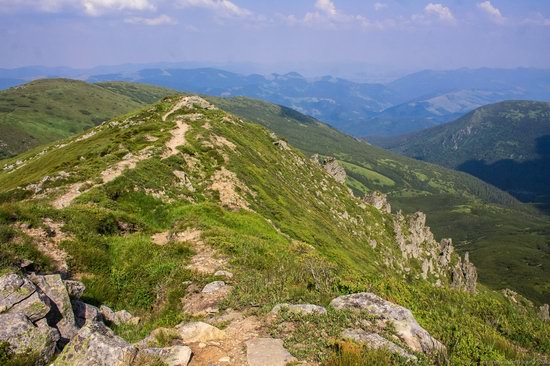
{"x": 267, "y": 352}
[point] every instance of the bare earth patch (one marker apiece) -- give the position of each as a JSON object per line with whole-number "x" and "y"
{"x": 226, "y": 183}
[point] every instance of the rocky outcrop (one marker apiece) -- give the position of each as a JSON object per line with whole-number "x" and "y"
{"x": 96, "y": 345}
{"x": 406, "y": 327}
{"x": 464, "y": 275}
{"x": 333, "y": 167}
{"x": 544, "y": 312}
{"x": 267, "y": 352}
{"x": 375, "y": 341}
{"x": 379, "y": 200}
{"x": 85, "y": 313}
{"x": 303, "y": 309}
{"x": 23, "y": 335}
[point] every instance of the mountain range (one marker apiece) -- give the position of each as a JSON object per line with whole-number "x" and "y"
{"x": 410, "y": 103}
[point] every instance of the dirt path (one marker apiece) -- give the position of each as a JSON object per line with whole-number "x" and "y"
{"x": 178, "y": 139}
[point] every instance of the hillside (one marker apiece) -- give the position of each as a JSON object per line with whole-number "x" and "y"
{"x": 508, "y": 241}
{"x": 149, "y": 208}
{"x": 505, "y": 144}
{"x": 47, "y": 110}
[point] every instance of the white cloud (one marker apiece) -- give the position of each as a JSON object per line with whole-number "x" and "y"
{"x": 326, "y": 6}
{"x": 379, "y": 6}
{"x": 223, "y": 8}
{"x": 442, "y": 12}
{"x": 492, "y": 11}
{"x": 160, "y": 20}
{"x": 90, "y": 7}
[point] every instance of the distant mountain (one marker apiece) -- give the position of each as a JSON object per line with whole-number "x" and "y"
{"x": 47, "y": 110}
{"x": 506, "y": 144}
{"x": 411, "y": 103}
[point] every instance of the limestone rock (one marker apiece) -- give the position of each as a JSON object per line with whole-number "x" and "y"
{"x": 199, "y": 332}
{"x": 171, "y": 356}
{"x": 96, "y": 345}
{"x": 22, "y": 335}
{"x": 75, "y": 289}
{"x": 62, "y": 314}
{"x": 406, "y": 326}
{"x": 304, "y": 309}
{"x": 464, "y": 275}
{"x": 85, "y": 313}
{"x": 267, "y": 352}
{"x": 378, "y": 200}
{"x": 333, "y": 167}
{"x": 544, "y": 312}
{"x": 375, "y": 341}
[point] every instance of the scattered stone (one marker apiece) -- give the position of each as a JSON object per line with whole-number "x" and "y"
{"x": 22, "y": 335}
{"x": 223, "y": 274}
{"x": 267, "y": 352}
{"x": 171, "y": 356}
{"x": 85, "y": 313}
{"x": 379, "y": 200}
{"x": 214, "y": 287}
{"x": 152, "y": 340}
{"x": 119, "y": 317}
{"x": 544, "y": 312}
{"x": 195, "y": 332}
{"x": 375, "y": 341}
{"x": 96, "y": 345}
{"x": 75, "y": 288}
{"x": 406, "y": 326}
{"x": 304, "y": 309}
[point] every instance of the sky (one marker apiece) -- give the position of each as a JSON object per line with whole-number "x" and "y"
{"x": 314, "y": 36}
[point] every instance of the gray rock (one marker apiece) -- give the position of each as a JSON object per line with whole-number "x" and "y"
{"x": 267, "y": 352}
{"x": 464, "y": 275}
{"x": 96, "y": 345}
{"x": 544, "y": 312}
{"x": 225, "y": 274}
{"x": 171, "y": 356}
{"x": 304, "y": 309}
{"x": 379, "y": 200}
{"x": 62, "y": 310}
{"x": 119, "y": 317}
{"x": 446, "y": 250}
{"x": 85, "y": 313}
{"x": 375, "y": 341}
{"x": 199, "y": 332}
{"x": 35, "y": 307}
{"x": 22, "y": 335}
{"x": 406, "y": 326}
{"x": 333, "y": 167}
{"x": 213, "y": 287}
{"x": 75, "y": 289}
{"x": 14, "y": 289}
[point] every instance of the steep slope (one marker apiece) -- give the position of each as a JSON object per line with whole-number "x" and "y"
{"x": 505, "y": 144}
{"x": 47, "y": 110}
{"x": 147, "y": 207}
{"x": 508, "y": 241}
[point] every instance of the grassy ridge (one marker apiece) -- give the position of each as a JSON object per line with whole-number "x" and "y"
{"x": 47, "y": 110}
{"x": 508, "y": 240}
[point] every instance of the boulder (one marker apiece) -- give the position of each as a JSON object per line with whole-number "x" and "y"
{"x": 213, "y": 287}
{"x": 304, "y": 309}
{"x": 199, "y": 332}
{"x": 223, "y": 274}
{"x": 96, "y": 345}
{"x": 379, "y": 200}
{"x": 171, "y": 356}
{"x": 267, "y": 352}
{"x": 75, "y": 289}
{"x": 85, "y": 313}
{"x": 375, "y": 341}
{"x": 406, "y": 326}
{"x": 118, "y": 317}
{"x": 35, "y": 307}
{"x": 333, "y": 167}
{"x": 62, "y": 315}
{"x": 23, "y": 335}
{"x": 152, "y": 340}
{"x": 14, "y": 289}
{"x": 544, "y": 312}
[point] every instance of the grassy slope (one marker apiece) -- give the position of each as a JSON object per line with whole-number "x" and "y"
{"x": 508, "y": 241}
{"x": 47, "y": 110}
{"x": 506, "y": 144}
{"x": 291, "y": 247}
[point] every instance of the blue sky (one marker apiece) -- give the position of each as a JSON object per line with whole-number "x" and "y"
{"x": 281, "y": 34}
